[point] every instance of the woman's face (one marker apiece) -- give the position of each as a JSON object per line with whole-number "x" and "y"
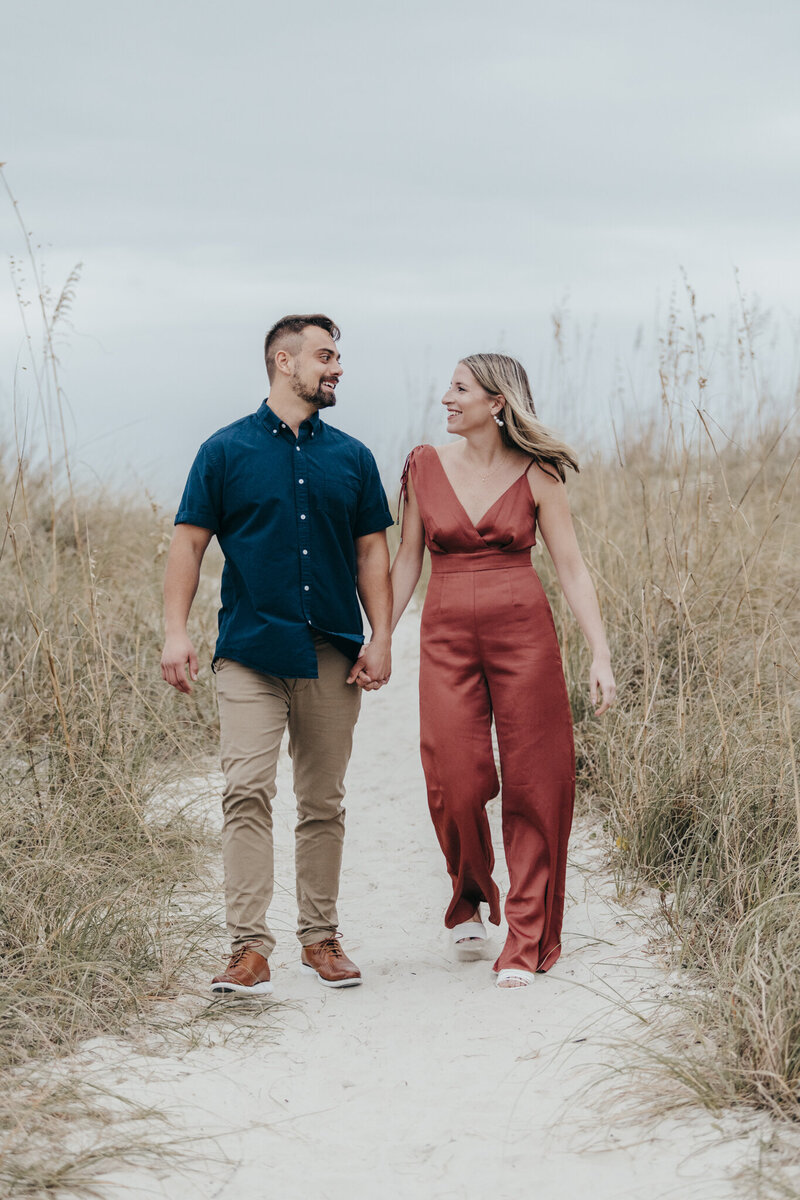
{"x": 469, "y": 406}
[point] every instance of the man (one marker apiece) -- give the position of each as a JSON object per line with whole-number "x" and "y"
{"x": 299, "y": 512}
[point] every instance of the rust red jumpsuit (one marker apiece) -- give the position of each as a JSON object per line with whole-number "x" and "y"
{"x": 489, "y": 649}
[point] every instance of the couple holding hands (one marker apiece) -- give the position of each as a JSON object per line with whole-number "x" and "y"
{"x": 300, "y": 514}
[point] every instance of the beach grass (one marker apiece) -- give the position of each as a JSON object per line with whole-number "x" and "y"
{"x": 688, "y": 516}
{"x": 691, "y": 529}
{"x": 690, "y": 526}
{"x": 96, "y": 824}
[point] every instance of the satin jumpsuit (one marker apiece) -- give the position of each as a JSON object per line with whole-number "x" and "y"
{"x": 489, "y": 649}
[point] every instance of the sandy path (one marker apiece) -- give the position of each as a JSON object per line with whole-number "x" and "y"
{"x": 426, "y": 1081}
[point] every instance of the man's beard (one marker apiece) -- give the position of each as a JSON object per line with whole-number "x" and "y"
{"x": 318, "y": 398}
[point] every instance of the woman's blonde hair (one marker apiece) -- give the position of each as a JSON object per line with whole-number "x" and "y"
{"x": 503, "y": 376}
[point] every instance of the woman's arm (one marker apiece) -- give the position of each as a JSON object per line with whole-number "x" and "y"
{"x": 407, "y": 565}
{"x": 558, "y": 532}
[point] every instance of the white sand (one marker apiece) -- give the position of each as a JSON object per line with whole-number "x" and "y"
{"x": 427, "y": 1081}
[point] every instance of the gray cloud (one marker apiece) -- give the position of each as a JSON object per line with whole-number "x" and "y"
{"x": 438, "y": 176}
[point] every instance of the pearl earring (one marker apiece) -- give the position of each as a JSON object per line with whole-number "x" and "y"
{"x": 498, "y": 419}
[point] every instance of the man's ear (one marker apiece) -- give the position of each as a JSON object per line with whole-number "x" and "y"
{"x": 283, "y": 362}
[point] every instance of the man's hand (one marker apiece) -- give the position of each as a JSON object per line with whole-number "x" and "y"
{"x": 374, "y": 664}
{"x": 373, "y": 667}
{"x": 178, "y": 654}
{"x": 186, "y": 552}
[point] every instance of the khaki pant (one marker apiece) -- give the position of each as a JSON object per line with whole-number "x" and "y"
{"x": 254, "y": 711}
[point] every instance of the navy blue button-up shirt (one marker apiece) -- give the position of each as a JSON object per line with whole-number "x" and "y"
{"x": 286, "y": 512}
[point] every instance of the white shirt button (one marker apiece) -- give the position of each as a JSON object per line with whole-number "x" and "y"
{"x": 305, "y": 552}
{"x": 305, "y": 589}
{"x": 297, "y": 448}
{"x": 301, "y": 481}
{"x": 302, "y": 516}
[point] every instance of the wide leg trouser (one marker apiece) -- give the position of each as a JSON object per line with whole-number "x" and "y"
{"x": 254, "y": 711}
{"x": 489, "y": 649}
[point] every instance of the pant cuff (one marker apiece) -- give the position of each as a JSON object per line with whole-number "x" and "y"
{"x": 316, "y": 935}
{"x": 263, "y": 948}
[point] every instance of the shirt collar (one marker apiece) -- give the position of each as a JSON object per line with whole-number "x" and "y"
{"x": 311, "y": 425}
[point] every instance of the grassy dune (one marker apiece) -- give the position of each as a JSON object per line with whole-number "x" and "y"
{"x": 691, "y": 529}
{"x": 89, "y": 857}
{"x": 693, "y": 541}
{"x": 693, "y": 537}
{"x": 90, "y": 739}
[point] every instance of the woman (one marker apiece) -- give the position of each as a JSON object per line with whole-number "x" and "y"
{"x": 489, "y": 649}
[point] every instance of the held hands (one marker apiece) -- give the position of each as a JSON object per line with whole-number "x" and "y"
{"x": 178, "y": 654}
{"x": 372, "y": 668}
{"x": 601, "y": 681}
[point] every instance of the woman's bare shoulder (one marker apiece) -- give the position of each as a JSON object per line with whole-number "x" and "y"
{"x": 545, "y": 482}
{"x": 545, "y": 476}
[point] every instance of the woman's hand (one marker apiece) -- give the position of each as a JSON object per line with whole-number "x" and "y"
{"x": 601, "y": 682}
{"x": 372, "y": 668}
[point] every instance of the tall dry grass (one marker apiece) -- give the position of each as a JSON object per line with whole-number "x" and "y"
{"x": 690, "y": 527}
{"x": 688, "y": 514}
{"x": 90, "y": 738}
{"x": 692, "y": 532}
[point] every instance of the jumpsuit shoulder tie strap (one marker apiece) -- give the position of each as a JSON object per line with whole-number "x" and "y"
{"x": 403, "y": 497}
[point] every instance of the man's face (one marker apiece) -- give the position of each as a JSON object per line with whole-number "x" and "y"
{"x": 316, "y": 368}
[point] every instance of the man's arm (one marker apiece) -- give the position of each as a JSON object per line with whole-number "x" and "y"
{"x": 375, "y": 593}
{"x": 189, "y": 544}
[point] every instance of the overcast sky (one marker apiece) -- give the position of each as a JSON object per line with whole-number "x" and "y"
{"x": 438, "y": 177}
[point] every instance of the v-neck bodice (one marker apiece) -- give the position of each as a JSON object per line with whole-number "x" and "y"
{"x": 507, "y": 528}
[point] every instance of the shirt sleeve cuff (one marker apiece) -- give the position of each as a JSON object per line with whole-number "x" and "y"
{"x": 203, "y": 520}
{"x": 373, "y": 524}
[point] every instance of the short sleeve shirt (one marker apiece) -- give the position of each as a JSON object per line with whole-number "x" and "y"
{"x": 287, "y": 512}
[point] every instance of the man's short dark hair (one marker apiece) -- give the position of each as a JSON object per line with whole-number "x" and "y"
{"x": 292, "y": 328}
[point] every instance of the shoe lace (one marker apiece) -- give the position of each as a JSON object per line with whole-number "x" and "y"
{"x": 237, "y": 956}
{"x": 331, "y": 944}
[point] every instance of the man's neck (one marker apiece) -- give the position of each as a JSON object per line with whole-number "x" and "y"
{"x": 290, "y": 409}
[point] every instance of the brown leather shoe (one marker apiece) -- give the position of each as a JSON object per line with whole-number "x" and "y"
{"x": 328, "y": 961}
{"x": 247, "y": 974}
